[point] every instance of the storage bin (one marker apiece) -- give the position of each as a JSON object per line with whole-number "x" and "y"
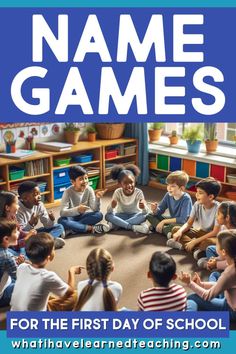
{"x": 231, "y": 179}
{"x": 202, "y": 169}
{"x": 175, "y": 164}
{"x": 218, "y": 172}
{"x": 129, "y": 150}
{"x": 16, "y": 173}
{"x": 61, "y": 176}
{"x": 93, "y": 182}
{"x": 42, "y": 186}
{"x": 83, "y": 158}
{"x": 62, "y": 162}
{"x": 59, "y": 190}
{"x": 163, "y": 162}
{"x": 152, "y": 165}
{"x": 110, "y": 154}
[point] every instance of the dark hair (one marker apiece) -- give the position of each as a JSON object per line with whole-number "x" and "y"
{"x": 227, "y": 242}
{"x": 6, "y": 228}
{"x": 209, "y": 185}
{"x": 229, "y": 209}
{"x": 39, "y": 247}
{"x": 99, "y": 266}
{"x": 162, "y": 268}
{"x": 178, "y": 177}
{"x": 76, "y": 171}
{"x": 26, "y": 187}
{"x": 6, "y": 199}
{"x": 118, "y": 172}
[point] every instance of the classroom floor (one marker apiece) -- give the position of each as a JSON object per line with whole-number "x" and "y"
{"x": 131, "y": 254}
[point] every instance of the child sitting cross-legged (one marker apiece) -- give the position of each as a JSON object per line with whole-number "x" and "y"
{"x": 34, "y": 283}
{"x": 31, "y": 210}
{"x": 176, "y": 200}
{"x": 162, "y": 296}
{"x": 128, "y": 208}
{"x": 80, "y": 206}
{"x": 201, "y": 229}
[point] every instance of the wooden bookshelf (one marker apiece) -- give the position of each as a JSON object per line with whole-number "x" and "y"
{"x": 98, "y": 162}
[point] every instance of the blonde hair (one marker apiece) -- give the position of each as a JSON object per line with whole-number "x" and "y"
{"x": 99, "y": 265}
{"x": 181, "y": 178}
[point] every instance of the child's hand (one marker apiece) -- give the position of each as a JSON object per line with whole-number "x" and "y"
{"x": 185, "y": 278}
{"x": 211, "y": 264}
{"x": 32, "y": 232}
{"x": 100, "y": 194}
{"x": 160, "y": 226}
{"x": 20, "y": 259}
{"x": 113, "y": 203}
{"x": 51, "y": 215}
{"x": 77, "y": 269}
{"x": 141, "y": 204}
{"x": 191, "y": 245}
{"x": 153, "y": 207}
{"x": 34, "y": 220}
{"x": 196, "y": 279}
{"x": 82, "y": 208}
{"x": 177, "y": 235}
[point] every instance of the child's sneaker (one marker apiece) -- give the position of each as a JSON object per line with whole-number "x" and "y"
{"x": 174, "y": 244}
{"x": 69, "y": 232}
{"x": 202, "y": 263}
{"x": 101, "y": 228}
{"x": 198, "y": 254}
{"x": 59, "y": 243}
{"x": 142, "y": 228}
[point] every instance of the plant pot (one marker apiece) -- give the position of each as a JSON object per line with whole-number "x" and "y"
{"x": 72, "y": 137}
{"x": 154, "y": 134}
{"x": 173, "y": 139}
{"x": 92, "y": 136}
{"x": 211, "y": 145}
{"x": 193, "y": 146}
{"x": 110, "y": 131}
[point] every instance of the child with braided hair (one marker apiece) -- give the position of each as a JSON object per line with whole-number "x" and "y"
{"x": 205, "y": 297}
{"x": 98, "y": 293}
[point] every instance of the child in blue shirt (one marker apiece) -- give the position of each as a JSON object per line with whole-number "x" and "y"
{"x": 176, "y": 200}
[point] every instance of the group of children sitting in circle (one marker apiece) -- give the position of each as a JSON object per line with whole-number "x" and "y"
{"x": 207, "y": 230}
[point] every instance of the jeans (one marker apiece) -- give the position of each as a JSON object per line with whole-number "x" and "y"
{"x": 55, "y": 231}
{"x": 79, "y": 223}
{"x": 17, "y": 253}
{"x": 6, "y": 296}
{"x": 125, "y": 221}
{"x": 211, "y": 252}
{"x": 196, "y": 303}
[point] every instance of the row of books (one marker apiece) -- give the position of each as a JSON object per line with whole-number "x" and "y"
{"x": 36, "y": 167}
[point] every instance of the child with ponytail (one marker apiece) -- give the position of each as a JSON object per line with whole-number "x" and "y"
{"x": 205, "y": 297}
{"x": 128, "y": 208}
{"x": 98, "y": 293}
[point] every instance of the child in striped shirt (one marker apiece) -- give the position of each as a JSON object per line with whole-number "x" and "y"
{"x": 163, "y": 296}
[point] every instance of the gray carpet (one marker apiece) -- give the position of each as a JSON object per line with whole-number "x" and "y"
{"x": 131, "y": 255}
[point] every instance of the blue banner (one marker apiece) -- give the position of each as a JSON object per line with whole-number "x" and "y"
{"x": 117, "y": 324}
{"x": 80, "y": 64}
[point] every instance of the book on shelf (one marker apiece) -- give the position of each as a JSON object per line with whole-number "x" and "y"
{"x": 53, "y": 146}
{"x": 19, "y": 154}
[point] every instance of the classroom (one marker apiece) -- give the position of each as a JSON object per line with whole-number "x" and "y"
{"x": 176, "y": 162}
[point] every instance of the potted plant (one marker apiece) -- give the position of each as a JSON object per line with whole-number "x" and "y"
{"x": 155, "y": 131}
{"x": 110, "y": 131}
{"x": 211, "y": 140}
{"x": 91, "y": 133}
{"x": 193, "y": 136}
{"x": 173, "y": 137}
{"x": 72, "y": 133}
